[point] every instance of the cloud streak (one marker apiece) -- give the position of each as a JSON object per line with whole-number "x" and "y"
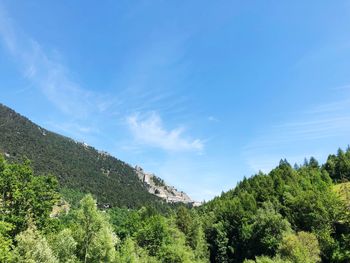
{"x": 45, "y": 72}
{"x": 149, "y": 130}
{"x": 302, "y": 136}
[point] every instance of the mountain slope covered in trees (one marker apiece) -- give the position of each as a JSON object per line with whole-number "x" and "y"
{"x": 76, "y": 165}
{"x": 292, "y": 214}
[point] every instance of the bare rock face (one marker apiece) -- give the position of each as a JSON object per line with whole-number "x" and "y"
{"x": 158, "y": 187}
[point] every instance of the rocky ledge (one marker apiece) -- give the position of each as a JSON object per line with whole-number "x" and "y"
{"x": 158, "y": 187}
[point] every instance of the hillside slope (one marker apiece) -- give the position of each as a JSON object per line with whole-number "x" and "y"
{"x": 267, "y": 214}
{"x": 76, "y": 165}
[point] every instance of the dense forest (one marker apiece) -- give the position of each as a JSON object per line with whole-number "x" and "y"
{"x": 75, "y": 165}
{"x": 293, "y": 214}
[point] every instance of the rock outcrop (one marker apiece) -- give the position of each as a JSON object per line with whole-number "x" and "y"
{"x": 158, "y": 187}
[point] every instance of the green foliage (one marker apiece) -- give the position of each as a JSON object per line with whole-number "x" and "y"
{"x": 5, "y": 242}
{"x": 75, "y": 165}
{"x": 242, "y": 226}
{"x": 33, "y": 247}
{"x": 338, "y": 166}
{"x": 184, "y": 220}
{"x": 175, "y": 253}
{"x": 189, "y": 222}
{"x": 92, "y": 232}
{"x": 266, "y": 231}
{"x": 302, "y": 247}
{"x": 265, "y": 259}
{"x": 343, "y": 191}
{"x": 218, "y": 244}
{"x": 72, "y": 196}
{"x": 64, "y": 246}
{"x": 158, "y": 181}
{"x": 290, "y": 215}
{"x": 130, "y": 252}
{"x": 125, "y": 222}
{"x": 25, "y": 196}
{"x": 154, "y": 234}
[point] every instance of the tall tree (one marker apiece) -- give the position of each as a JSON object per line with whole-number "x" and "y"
{"x": 24, "y": 196}
{"x": 94, "y": 236}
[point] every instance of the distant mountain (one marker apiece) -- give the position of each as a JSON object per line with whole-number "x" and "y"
{"x": 76, "y": 165}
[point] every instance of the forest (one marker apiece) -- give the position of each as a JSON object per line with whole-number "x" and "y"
{"x": 77, "y": 166}
{"x": 293, "y": 214}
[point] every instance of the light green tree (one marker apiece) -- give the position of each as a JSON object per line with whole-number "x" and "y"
{"x": 24, "y": 196}
{"x": 176, "y": 253}
{"x": 64, "y": 246}
{"x": 32, "y": 247}
{"x": 130, "y": 252}
{"x": 265, "y": 259}
{"x": 302, "y": 247}
{"x": 93, "y": 233}
{"x": 103, "y": 245}
{"x": 5, "y": 242}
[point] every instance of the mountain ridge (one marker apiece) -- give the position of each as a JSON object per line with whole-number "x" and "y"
{"x": 75, "y": 164}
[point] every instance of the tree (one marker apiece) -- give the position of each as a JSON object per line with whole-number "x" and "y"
{"x": 154, "y": 234}
{"x": 267, "y": 231}
{"x": 300, "y": 248}
{"x": 184, "y": 220}
{"x": 91, "y": 230}
{"x": 126, "y": 222}
{"x": 313, "y": 163}
{"x": 265, "y": 259}
{"x": 5, "y": 242}
{"x": 64, "y": 246}
{"x": 130, "y": 252}
{"x": 176, "y": 253}
{"x": 33, "y": 247}
{"x": 338, "y": 166}
{"x": 25, "y": 196}
{"x": 190, "y": 224}
{"x": 103, "y": 246}
{"x": 219, "y": 243}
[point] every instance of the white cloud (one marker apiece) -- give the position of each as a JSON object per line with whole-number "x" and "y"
{"x": 149, "y": 130}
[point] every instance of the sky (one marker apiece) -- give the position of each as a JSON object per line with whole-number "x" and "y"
{"x": 201, "y": 93}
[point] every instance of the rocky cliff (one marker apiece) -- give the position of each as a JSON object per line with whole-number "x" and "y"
{"x": 158, "y": 187}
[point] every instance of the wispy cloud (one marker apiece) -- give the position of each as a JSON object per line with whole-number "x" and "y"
{"x": 142, "y": 88}
{"x": 153, "y": 76}
{"x": 73, "y": 129}
{"x": 45, "y": 71}
{"x": 302, "y": 136}
{"x": 149, "y": 130}
{"x": 213, "y": 119}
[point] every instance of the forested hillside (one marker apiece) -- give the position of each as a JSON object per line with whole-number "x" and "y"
{"x": 29, "y": 233}
{"x": 77, "y": 166}
{"x": 294, "y": 214}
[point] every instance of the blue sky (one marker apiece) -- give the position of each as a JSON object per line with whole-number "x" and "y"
{"x": 201, "y": 93}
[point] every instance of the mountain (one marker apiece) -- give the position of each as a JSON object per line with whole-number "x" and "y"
{"x": 78, "y": 167}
